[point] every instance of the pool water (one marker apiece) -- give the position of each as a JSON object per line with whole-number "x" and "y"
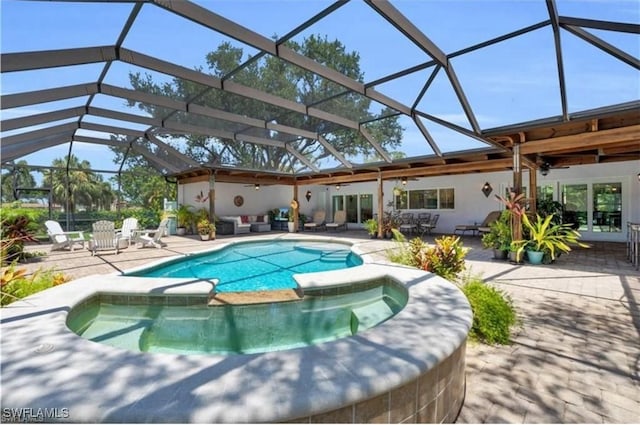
{"x": 256, "y": 266}
{"x": 142, "y": 324}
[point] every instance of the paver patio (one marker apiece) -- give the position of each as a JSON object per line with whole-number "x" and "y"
{"x": 575, "y": 357}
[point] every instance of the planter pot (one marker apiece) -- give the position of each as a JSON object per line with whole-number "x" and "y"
{"x": 373, "y": 236}
{"x": 181, "y": 231}
{"x": 292, "y": 226}
{"x": 535, "y": 257}
{"x": 500, "y": 254}
{"x": 513, "y": 259}
{"x": 205, "y": 237}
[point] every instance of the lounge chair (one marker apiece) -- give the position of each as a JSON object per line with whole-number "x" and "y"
{"x": 61, "y": 239}
{"x": 339, "y": 221}
{"x": 104, "y": 237}
{"x": 480, "y": 228}
{"x": 152, "y": 237}
{"x": 318, "y": 221}
{"x": 129, "y": 226}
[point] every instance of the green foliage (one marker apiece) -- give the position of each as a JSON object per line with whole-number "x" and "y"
{"x": 493, "y": 313}
{"x": 543, "y": 235}
{"x": 445, "y": 258}
{"x": 371, "y": 226}
{"x": 17, "y": 226}
{"x": 19, "y": 176}
{"x": 184, "y": 215}
{"x": 22, "y": 286}
{"x": 499, "y": 237}
{"x": 144, "y": 187}
{"x": 546, "y": 207}
{"x": 285, "y": 81}
{"x": 84, "y": 188}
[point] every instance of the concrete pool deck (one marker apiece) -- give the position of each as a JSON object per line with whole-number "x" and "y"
{"x": 575, "y": 360}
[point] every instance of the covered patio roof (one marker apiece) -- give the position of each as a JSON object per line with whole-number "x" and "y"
{"x": 66, "y": 94}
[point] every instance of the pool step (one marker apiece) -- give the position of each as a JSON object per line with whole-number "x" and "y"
{"x": 369, "y": 315}
{"x": 254, "y": 297}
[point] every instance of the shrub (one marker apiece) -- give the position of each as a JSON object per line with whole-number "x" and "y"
{"x": 493, "y": 312}
{"x": 445, "y": 258}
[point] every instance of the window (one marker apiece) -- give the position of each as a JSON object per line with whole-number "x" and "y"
{"x": 426, "y": 199}
{"x": 607, "y": 207}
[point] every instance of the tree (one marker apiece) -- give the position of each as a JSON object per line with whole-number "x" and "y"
{"x": 79, "y": 186}
{"x": 143, "y": 187}
{"x": 18, "y": 177}
{"x": 275, "y": 76}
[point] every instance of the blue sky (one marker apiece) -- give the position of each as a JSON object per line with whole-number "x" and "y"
{"x": 507, "y": 83}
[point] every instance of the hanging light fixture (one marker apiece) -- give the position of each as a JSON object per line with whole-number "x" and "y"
{"x": 338, "y": 186}
{"x": 404, "y": 181}
{"x": 257, "y": 186}
{"x": 308, "y": 195}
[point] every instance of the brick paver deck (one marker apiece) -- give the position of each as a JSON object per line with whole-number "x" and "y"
{"x": 575, "y": 357}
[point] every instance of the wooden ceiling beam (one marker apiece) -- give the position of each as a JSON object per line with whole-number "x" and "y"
{"x": 583, "y": 141}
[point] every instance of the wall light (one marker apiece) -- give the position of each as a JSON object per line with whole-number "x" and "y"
{"x": 487, "y": 189}
{"x": 338, "y": 187}
{"x": 308, "y": 195}
{"x": 404, "y": 181}
{"x": 257, "y": 186}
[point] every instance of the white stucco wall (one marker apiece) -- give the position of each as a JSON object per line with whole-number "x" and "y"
{"x": 471, "y": 205}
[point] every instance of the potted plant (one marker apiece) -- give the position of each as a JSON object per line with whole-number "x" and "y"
{"x": 546, "y": 238}
{"x": 371, "y": 226}
{"x": 184, "y": 216}
{"x": 499, "y": 236}
{"x": 206, "y": 229}
{"x": 291, "y": 224}
{"x": 390, "y": 220}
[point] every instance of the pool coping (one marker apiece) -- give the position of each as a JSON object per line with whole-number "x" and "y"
{"x": 45, "y": 365}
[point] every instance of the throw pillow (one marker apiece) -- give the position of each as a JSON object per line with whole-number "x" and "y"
{"x": 260, "y": 219}
{"x": 245, "y": 219}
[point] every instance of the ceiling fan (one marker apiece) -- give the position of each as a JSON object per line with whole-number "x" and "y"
{"x": 545, "y": 166}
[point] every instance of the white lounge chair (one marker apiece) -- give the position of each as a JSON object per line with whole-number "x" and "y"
{"x": 318, "y": 221}
{"x": 104, "y": 237}
{"x": 61, "y": 239}
{"x": 152, "y": 237}
{"x": 129, "y": 226}
{"x": 339, "y": 221}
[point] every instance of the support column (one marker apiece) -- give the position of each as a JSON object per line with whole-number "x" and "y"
{"x": 296, "y": 211}
{"x": 533, "y": 189}
{"x": 212, "y": 198}
{"x": 380, "y": 205}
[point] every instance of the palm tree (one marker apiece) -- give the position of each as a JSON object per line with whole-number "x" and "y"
{"x": 18, "y": 177}
{"x": 79, "y": 186}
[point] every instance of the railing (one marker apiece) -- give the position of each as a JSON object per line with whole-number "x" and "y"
{"x": 633, "y": 243}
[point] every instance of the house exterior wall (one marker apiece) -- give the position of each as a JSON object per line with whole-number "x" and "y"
{"x": 471, "y": 205}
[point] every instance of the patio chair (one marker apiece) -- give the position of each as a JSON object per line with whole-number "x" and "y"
{"x": 318, "y": 221}
{"x": 129, "y": 226}
{"x": 484, "y": 227}
{"x": 104, "y": 237}
{"x": 428, "y": 227}
{"x": 339, "y": 221}
{"x": 407, "y": 223}
{"x": 61, "y": 239}
{"x": 152, "y": 237}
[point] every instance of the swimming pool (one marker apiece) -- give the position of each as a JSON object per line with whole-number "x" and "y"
{"x": 258, "y": 266}
{"x": 175, "y": 324}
